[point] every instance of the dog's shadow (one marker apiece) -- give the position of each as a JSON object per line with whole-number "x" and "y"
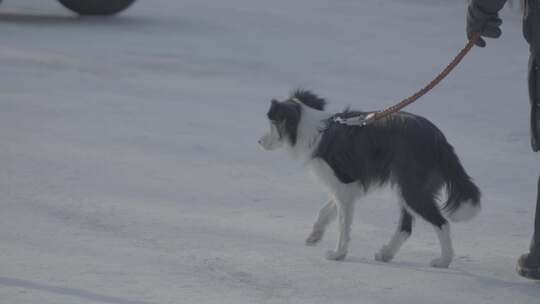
{"x": 530, "y": 288}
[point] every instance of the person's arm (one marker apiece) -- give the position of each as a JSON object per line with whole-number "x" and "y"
{"x": 483, "y": 17}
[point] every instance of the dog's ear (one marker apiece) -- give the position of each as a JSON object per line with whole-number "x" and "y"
{"x": 309, "y": 99}
{"x": 291, "y": 120}
{"x": 287, "y": 116}
{"x": 273, "y": 112}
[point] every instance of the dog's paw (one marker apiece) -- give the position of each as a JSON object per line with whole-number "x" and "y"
{"x": 335, "y": 255}
{"x": 384, "y": 254}
{"x": 314, "y": 238}
{"x": 440, "y": 263}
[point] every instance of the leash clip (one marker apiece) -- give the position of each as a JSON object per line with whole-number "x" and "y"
{"x": 360, "y": 121}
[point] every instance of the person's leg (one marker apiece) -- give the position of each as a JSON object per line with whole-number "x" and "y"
{"x": 534, "y": 96}
{"x": 531, "y": 32}
{"x": 535, "y": 112}
{"x": 535, "y": 243}
{"x": 528, "y": 264}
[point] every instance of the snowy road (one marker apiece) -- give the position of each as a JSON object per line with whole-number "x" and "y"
{"x": 131, "y": 174}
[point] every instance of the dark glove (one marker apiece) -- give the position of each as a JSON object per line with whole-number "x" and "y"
{"x": 480, "y": 21}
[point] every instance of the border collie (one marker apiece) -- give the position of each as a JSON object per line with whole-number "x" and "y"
{"x": 404, "y": 150}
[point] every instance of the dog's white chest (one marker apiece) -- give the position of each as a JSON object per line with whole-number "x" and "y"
{"x": 324, "y": 173}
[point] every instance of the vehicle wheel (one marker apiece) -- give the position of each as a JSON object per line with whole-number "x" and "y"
{"x": 96, "y": 7}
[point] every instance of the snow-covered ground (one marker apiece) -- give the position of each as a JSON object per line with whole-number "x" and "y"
{"x": 131, "y": 172}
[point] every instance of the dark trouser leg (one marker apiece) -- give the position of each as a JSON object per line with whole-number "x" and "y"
{"x": 534, "y": 94}
{"x": 531, "y": 32}
{"x": 528, "y": 265}
{"x": 535, "y": 244}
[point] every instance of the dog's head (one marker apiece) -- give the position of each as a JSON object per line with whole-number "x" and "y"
{"x": 284, "y": 117}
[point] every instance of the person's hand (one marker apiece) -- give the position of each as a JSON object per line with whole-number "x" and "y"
{"x": 485, "y": 23}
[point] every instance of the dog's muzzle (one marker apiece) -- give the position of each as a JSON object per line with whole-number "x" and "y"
{"x": 265, "y": 142}
{"x": 271, "y": 140}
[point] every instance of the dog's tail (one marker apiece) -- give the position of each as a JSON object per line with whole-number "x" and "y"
{"x": 463, "y": 195}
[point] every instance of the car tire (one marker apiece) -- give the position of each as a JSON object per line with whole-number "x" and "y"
{"x": 96, "y": 7}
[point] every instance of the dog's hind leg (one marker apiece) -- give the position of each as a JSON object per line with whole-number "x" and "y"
{"x": 404, "y": 230}
{"x": 423, "y": 204}
{"x": 345, "y": 208}
{"x": 443, "y": 233}
{"x": 326, "y": 215}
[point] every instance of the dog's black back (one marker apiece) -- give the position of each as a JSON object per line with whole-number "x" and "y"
{"x": 404, "y": 149}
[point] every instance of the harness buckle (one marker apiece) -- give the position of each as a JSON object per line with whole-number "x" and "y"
{"x": 360, "y": 120}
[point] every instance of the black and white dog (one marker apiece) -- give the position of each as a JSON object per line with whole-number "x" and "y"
{"x": 404, "y": 150}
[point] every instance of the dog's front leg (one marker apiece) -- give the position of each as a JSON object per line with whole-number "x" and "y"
{"x": 325, "y": 216}
{"x": 345, "y": 212}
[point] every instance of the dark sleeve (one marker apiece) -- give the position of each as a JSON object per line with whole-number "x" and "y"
{"x": 489, "y": 6}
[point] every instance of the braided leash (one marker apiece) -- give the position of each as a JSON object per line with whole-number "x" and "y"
{"x": 362, "y": 121}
